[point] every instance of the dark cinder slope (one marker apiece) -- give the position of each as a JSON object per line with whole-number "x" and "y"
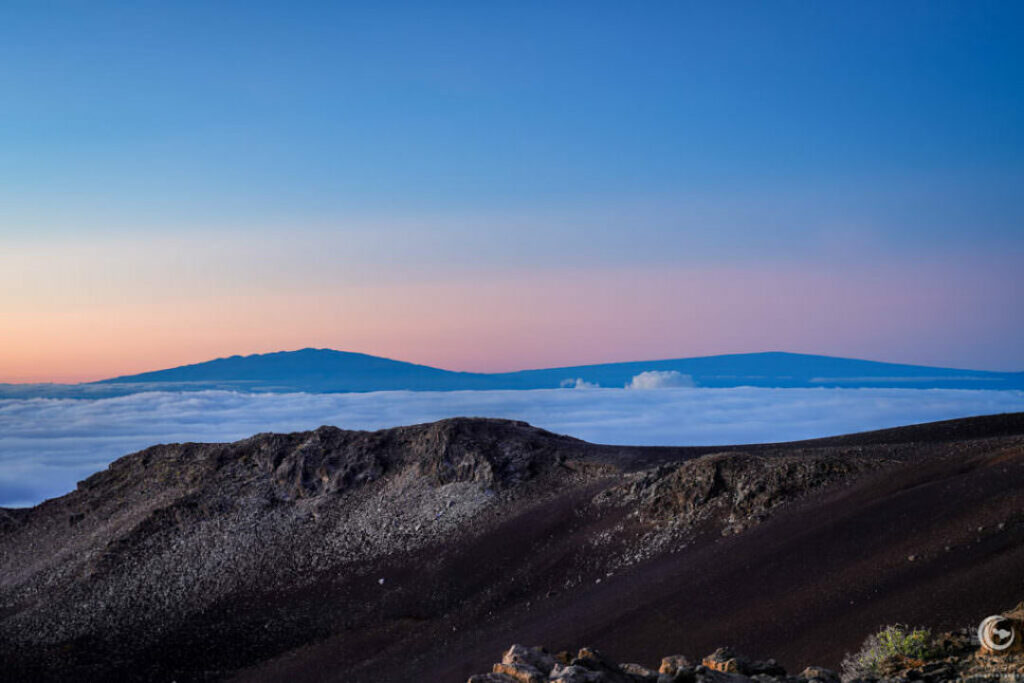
{"x": 415, "y": 554}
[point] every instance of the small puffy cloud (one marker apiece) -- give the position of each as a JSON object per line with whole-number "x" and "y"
{"x": 578, "y": 383}
{"x": 660, "y": 379}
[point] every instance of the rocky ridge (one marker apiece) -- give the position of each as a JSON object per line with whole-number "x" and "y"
{"x": 170, "y": 530}
{"x": 203, "y": 561}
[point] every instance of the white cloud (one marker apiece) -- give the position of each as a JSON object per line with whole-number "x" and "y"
{"x": 47, "y": 445}
{"x": 578, "y": 383}
{"x": 660, "y": 379}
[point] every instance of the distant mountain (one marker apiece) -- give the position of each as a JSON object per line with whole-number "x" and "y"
{"x": 328, "y": 371}
{"x": 777, "y": 369}
{"x": 315, "y": 370}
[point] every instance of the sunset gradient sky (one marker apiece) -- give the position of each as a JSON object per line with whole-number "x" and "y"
{"x": 495, "y": 186}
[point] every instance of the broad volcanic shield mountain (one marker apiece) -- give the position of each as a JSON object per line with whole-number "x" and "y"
{"x": 325, "y": 370}
{"x": 416, "y": 553}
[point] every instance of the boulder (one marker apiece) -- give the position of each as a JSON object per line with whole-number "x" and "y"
{"x": 537, "y": 657}
{"x": 727, "y": 661}
{"x": 638, "y": 672}
{"x": 673, "y": 663}
{"x": 522, "y": 673}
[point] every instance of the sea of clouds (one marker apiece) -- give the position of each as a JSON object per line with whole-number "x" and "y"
{"x": 47, "y": 445}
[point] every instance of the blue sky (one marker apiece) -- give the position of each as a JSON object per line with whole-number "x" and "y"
{"x": 424, "y": 142}
{"x": 330, "y": 106}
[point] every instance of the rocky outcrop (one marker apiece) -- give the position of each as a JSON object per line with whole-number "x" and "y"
{"x": 954, "y": 657}
{"x": 179, "y": 529}
{"x": 734, "y": 490}
{"x": 328, "y": 460}
{"x": 535, "y": 665}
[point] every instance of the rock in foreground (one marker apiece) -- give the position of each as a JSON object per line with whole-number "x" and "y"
{"x": 951, "y": 657}
{"x": 521, "y": 664}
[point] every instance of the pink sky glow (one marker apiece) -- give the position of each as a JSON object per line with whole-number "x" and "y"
{"x": 515, "y": 320}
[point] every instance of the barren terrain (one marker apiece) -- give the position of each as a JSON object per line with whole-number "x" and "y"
{"x": 418, "y": 553}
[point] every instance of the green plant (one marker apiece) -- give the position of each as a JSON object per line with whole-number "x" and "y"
{"x": 897, "y": 642}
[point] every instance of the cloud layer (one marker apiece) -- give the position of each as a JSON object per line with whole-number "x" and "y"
{"x": 661, "y": 379}
{"x": 47, "y": 445}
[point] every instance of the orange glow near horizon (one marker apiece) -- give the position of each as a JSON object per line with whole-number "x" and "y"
{"x": 497, "y": 187}
{"x": 505, "y": 322}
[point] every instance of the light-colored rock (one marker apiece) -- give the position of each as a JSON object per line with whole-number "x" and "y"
{"x": 536, "y": 657}
{"x": 726, "y": 661}
{"x": 639, "y": 672}
{"x": 673, "y": 663}
{"x": 522, "y": 673}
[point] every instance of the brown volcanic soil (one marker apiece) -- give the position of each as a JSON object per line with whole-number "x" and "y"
{"x": 261, "y": 560}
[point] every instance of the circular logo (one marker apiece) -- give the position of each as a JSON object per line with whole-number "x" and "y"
{"x": 996, "y": 633}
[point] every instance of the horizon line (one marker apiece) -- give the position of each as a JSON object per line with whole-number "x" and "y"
{"x": 507, "y": 372}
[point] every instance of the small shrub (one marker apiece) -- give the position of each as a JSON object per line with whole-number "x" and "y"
{"x": 893, "y": 645}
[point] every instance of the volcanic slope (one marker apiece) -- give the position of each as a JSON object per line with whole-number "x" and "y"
{"x": 415, "y": 553}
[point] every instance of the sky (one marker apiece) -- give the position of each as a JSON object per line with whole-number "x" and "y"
{"x": 504, "y": 185}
